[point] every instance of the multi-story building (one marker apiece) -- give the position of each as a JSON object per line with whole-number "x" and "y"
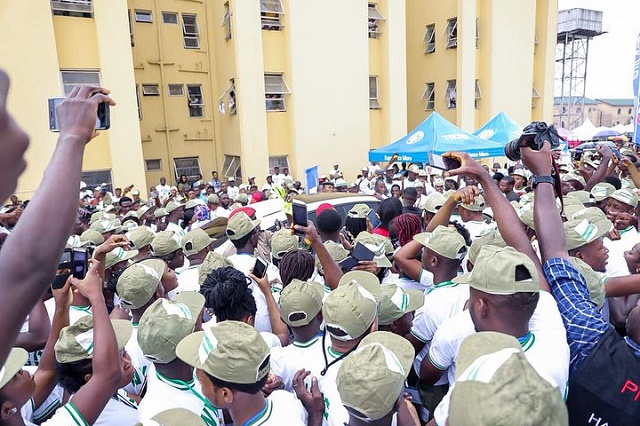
{"x": 601, "y": 112}
{"x": 242, "y": 86}
{"x": 470, "y": 59}
{"x": 75, "y": 42}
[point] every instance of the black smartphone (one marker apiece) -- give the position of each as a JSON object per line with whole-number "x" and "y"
{"x": 443, "y": 163}
{"x": 65, "y": 261}
{"x": 80, "y": 263}
{"x": 373, "y": 218}
{"x": 348, "y": 263}
{"x": 103, "y": 120}
{"x": 260, "y": 268}
{"x": 361, "y": 252}
{"x": 299, "y": 213}
{"x": 617, "y": 153}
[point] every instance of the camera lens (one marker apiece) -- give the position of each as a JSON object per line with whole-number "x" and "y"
{"x": 512, "y": 150}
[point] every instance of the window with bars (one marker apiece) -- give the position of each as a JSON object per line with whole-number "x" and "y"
{"x": 429, "y": 96}
{"x": 450, "y": 94}
{"x": 190, "y": 31}
{"x": 143, "y": 16}
{"x": 281, "y": 161}
{"x": 77, "y": 8}
{"x": 72, "y": 78}
{"x": 170, "y": 18}
{"x": 271, "y": 12}
{"x": 478, "y": 95}
{"x": 232, "y": 167}
{"x": 95, "y": 178}
{"x": 176, "y": 90}
{"x": 373, "y": 92}
{"x": 196, "y": 100}
{"x": 189, "y": 166}
{"x": 430, "y": 39}
{"x": 150, "y": 90}
{"x": 233, "y": 109}
{"x": 477, "y": 33}
{"x": 138, "y": 102}
{"x": 153, "y": 165}
{"x": 226, "y": 21}
{"x": 275, "y": 88}
{"x": 452, "y": 33}
{"x": 375, "y": 17}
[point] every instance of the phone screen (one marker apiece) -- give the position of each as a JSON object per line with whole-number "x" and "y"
{"x": 299, "y": 213}
{"x": 103, "y": 121}
{"x": 616, "y": 153}
{"x": 373, "y": 218}
{"x": 260, "y": 268}
{"x": 443, "y": 163}
{"x": 80, "y": 260}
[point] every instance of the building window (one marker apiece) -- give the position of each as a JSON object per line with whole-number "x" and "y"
{"x": 280, "y": 161}
{"x": 176, "y": 90}
{"x": 274, "y": 89}
{"x": 630, "y": 111}
{"x": 196, "y": 100}
{"x": 138, "y": 102}
{"x": 450, "y": 94}
{"x": 226, "y": 21}
{"x": 95, "y": 178}
{"x": 619, "y": 111}
{"x": 233, "y": 110}
{"x": 429, "y": 95}
{"x": 535, "y": 95}
{"x": 133, "y": 43}
{"x": 373, "y": 92}
{"x": 270, "y": 15}
{"x": 478, "y": 96}
{"x": 77, "y": 8}
{"x": 452, "y": 33}
{"x": 153, "y": 165}
{"x": 150, "y": 90}
{"x": 190, "y": 31}
{"x": 170, "y": 17}
{"x": 477, "y": 33}
{"x": 578, "y": 110}
{"x": 374, "y": 17}
{"x": 231, "y": 167}
{"x": 143, "y": 16}
{"x": 430, "y": 39}
{"x": 189, "y": 166}
{"x": 70, "y": 79}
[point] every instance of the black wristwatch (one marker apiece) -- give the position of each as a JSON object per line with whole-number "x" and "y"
{"x": 535, "y": 180}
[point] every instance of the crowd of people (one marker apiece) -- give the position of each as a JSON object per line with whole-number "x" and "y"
{"x": 475, "y": 296}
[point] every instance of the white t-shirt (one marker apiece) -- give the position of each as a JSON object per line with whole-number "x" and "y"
{"x": 334, "y": 412}
{"x": 67, "y": 415}
{"x": 477, "y": 227}
{"x": 244, "y": 263}
{"x": 187, "y": 281}
{"x": 233, "y": 191}
{"x": 138, "y": 361}
{"x": 171, "y": 226}
{"x": 164, "y": 393}
{"x": 546, "y": 346}
{"x": 616, "y": 265}
{"x": 281, "y": 408}
{"x": 287, "y": 360}
{"x": 425, "y": 284}
{"x": 118, "y": 411}
{"x": 221, "y": 212}
{"x": 444, "y": 301}
{"x": 163, "y": 191}
{"x": 49, "y": 406}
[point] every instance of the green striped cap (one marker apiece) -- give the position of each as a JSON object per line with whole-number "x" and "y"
{"x": 626, "y": 196}
{"x": 396, "y": 302}
{"x": 586, "y": 226}
{"x": 76, "y": 341}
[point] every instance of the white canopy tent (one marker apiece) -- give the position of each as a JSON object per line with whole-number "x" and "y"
{"x": 584, "y": 132}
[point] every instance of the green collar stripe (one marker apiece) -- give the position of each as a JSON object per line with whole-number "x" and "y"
{"x": 527, "y": 341}
{"x": 75, "y": 414}
{"x": 263, "y": 416}
{"x": 305, "y": 344}
{"x": 175, "y": 383}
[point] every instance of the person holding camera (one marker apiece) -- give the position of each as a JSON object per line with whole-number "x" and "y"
{"x": 26, "y": 283}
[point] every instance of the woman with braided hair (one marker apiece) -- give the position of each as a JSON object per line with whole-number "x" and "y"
{"x": 296, "y": 264}
{"x": 406, "y": 226}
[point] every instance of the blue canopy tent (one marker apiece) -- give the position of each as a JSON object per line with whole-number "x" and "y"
{"x": 436, "y": 135}
{"x": 500, "y": 128}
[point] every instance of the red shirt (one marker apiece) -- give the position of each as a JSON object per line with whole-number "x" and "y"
{"x": 381, "y": 231}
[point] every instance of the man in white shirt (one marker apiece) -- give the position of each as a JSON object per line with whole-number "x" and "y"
{"x": 195, "y": 246}
{"x": 176, "y": 213}
{"x": 232, "y": 358}
{"x": 620, "y": 210}
{"x": 171, "y": 383}
{"x": 471, "y": 215}
{"x": 232, "y": 189}
{"x": 163, "y": 189}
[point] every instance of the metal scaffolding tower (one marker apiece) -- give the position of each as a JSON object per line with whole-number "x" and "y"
{"x": 576, "y": 27}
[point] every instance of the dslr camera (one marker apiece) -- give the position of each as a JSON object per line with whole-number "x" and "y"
{"x": 533, "y": 136}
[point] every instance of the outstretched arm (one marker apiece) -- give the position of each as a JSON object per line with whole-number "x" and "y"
{"x": 77, "y": 117}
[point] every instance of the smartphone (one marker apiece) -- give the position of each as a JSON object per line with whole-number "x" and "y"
{"x": 373, "y": 218}
{"x": 60, "y": 280}
{"x": 65, "y": 259}
{"x": 617, "y": 153}
{"x": 103, "y": 121}
{"x": 361, "y": 252}
{"x": 260, "y": 268}
{"x": 348, "y": 263}
{"x": 299, "y": 213}
{"x": 80, "y": 261}
{"x": 443, "y": 163}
